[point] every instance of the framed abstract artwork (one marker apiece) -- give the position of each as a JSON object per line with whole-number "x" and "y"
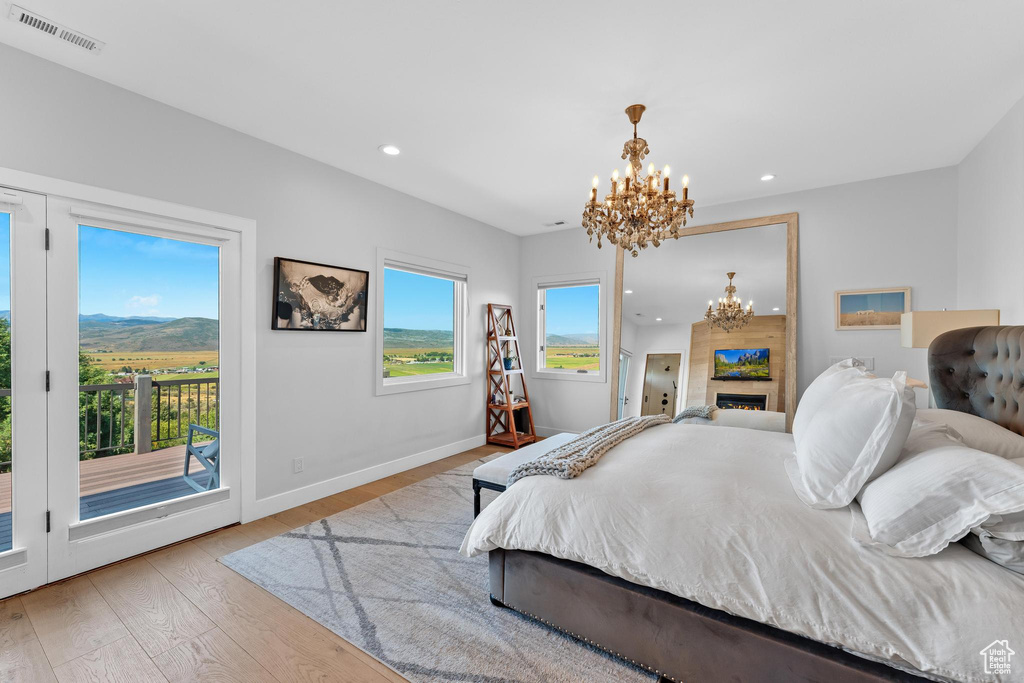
{"x": 319, "y": 297}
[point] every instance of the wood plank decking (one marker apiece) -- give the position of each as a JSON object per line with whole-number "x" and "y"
{"x": 118, "y": 482}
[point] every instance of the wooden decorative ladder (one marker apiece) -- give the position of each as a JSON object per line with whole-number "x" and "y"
{"x": 502, "y": 343}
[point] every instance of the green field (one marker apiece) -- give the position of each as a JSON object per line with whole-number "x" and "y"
{"x": 113, "y": 361}
{"x": 418, "y": 361}
{"x": 572, "y": 358}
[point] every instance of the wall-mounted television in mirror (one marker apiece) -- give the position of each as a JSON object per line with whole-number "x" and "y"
{"x": 742, "y": 364}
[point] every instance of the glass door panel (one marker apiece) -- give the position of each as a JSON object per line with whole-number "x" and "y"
{"x": 148, "y": 361}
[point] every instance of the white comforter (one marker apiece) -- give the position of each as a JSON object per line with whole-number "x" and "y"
{"x": 709, "y": 515}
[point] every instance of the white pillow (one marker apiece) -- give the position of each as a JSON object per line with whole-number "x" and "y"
{"x": 977, "y": 432}
{"x": 854, "y": 436}
{"x": 938, "y": 491}
{"x": 1009, "y": 527}
{"x": 1009, "y": 554}
{"x": 820, "y": 390}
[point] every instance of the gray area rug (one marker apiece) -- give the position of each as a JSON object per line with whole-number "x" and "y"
{"x": 386, "y": 576}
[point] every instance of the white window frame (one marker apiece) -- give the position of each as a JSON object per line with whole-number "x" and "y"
{"x": 541, "y": 285}
{"x": 458, "y": 274}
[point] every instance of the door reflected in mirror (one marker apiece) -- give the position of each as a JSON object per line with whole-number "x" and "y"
{"x": 704, "y": 318}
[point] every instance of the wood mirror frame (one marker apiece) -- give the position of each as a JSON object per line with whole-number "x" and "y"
{"x": 792, "y": 243}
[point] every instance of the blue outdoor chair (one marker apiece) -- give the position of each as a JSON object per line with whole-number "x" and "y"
{"x": 208, "y": 455}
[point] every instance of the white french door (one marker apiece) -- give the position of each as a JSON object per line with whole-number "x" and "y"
{"x": 23, "y": 405}
{"x": 100, "y": 411}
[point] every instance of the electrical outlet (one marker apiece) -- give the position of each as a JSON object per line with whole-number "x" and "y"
{"x": 296, "y": 465}
{"x": 868, "y": 362}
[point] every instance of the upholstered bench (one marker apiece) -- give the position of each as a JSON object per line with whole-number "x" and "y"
{"x": 493, "y": 475}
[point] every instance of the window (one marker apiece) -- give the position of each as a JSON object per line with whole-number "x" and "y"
{"x": 571, "y": 339}
{"x": 421, "y": 322}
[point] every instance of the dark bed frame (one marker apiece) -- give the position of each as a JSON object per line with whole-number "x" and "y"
{"x": 976, "y": 370}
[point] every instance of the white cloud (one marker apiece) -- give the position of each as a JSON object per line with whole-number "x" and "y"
{"x": 148, "y": 302}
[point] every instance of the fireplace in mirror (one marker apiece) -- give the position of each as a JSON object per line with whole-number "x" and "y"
{"x": 742, "y": 401}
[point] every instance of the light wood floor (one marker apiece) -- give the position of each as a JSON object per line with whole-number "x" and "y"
{"x": 176, "y": 614}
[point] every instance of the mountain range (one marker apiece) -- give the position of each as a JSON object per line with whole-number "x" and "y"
{"x": 102, "y": 332}
{"x": 400, "y": 338}
{"x": 98, "y": 331}
{"x": 752, "y": 357}
{"x": 140, "y": 334}
{"x": 581, "y": 339}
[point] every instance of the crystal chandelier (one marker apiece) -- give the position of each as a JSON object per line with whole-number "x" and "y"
{"x": 639, "y": 211}
{"x": 730, "y": 314}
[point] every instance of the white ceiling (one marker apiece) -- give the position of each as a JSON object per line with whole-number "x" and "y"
{"x": 675, "y": 281}
{"x": 505, "y": 110}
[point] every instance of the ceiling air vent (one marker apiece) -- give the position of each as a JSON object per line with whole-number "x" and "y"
{"x": 52, "y": 28}
{"x": 551, "y": 225}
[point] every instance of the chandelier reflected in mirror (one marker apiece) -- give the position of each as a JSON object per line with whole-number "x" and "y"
{"x": 639, "y": 210}
{"x": 730, "y": 314}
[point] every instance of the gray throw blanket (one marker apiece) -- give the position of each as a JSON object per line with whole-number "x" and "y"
{"x": 569, "y": 460}
{"x": 695, "y": 411}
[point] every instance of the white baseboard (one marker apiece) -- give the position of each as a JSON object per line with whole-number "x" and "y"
{"x": 300, "y": 496}
{"x": 550, "y": 431}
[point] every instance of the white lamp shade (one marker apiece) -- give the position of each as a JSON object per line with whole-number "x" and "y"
{"x": 919, "y": 328}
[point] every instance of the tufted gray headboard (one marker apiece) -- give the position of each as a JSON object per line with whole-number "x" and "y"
{"x": 979, "y": 370}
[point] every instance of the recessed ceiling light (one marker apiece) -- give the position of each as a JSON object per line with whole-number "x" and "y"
{"x": 658, "y": 319}
{"x": 776, "y": 308}
{"x": 768, "y": 176}
{"x": 628, "y": 291}
{"x": 390, "y": 150}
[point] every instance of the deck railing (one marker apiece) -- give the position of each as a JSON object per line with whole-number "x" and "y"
{"x": 178, "y": 406}
{"x": 138, "y": 417}
{"x": 107, "y": 421}
{"x": 5, "y": 398}
{"x": 147, "y": 414}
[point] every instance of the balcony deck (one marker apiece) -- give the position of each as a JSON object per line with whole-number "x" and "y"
{"x": 118, "y": 482}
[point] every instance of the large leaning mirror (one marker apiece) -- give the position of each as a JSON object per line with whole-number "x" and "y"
{"x": 669, "y": 353}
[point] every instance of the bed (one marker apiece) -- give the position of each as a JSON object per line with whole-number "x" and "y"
{"x": 710, "y": 568}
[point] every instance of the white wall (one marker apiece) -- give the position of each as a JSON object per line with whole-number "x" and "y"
{"x": 888, "y": 232}
{"x": 315, "y": 392}
{"x": 560, "y": 404}
{"x": 990, "y": 221}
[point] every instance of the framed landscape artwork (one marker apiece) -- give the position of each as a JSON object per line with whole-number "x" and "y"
{"x": 871, "y": 309}
{"x": 315, "y": 296}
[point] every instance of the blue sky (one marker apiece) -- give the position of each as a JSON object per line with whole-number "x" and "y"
{"x": 572, "y": 310}
{"x": 5, "y": 261}
{"x": 418, "y": 302}
{"x": 885, "y": 301}
{"x": 125, "y": 274}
